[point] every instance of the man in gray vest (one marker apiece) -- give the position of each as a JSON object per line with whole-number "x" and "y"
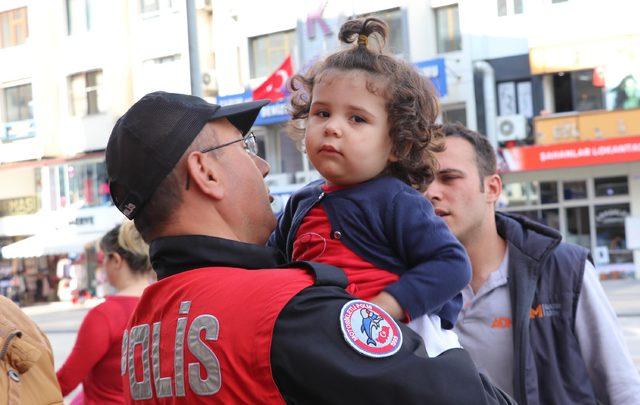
{"x": 535, "y": 318}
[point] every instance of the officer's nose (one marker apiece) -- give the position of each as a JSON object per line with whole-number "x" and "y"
{"x": 262, "y": 165}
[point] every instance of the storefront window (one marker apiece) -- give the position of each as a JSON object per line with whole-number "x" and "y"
{"x": 531, "y": 193}
{"x": 611, "y": 246}
{"x": 548, "y": 217}
{"x": 578, "y": 228}
{"x": 611, "y": 186}
{"x": 80, "y": 183}
{"x": 574, "y": 190}
{"x": 588, "y": 97}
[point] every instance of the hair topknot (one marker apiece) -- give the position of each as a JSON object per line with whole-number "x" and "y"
{"x": 411, "y": 101}
{"x": 353, "y": 30}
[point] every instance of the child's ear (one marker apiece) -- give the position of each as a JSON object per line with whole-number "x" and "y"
{"x": 393, "y": 157}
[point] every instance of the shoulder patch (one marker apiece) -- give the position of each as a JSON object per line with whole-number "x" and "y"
{"x": 369, "y": 330}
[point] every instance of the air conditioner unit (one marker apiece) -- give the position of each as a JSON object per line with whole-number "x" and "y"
{"x": 511, "y": 128}
{"x": 209, "y": 80}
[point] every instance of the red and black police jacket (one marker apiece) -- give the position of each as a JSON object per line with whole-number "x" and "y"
{"x": 224, "y": 325}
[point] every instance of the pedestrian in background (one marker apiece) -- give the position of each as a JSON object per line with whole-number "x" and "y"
{"x": 535, "y": 317}
{"x": 95, "y": 358}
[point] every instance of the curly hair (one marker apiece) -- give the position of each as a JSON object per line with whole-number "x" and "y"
{"x": 411, "y": 101}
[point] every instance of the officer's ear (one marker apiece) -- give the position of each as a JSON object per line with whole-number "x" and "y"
{"x": 203, "y": 175}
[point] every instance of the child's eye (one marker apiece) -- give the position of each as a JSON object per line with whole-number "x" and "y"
{"x": 322, "y": 114}
{"x": 358, "y": 119}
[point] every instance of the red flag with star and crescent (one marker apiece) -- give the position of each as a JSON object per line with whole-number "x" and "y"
{"x": 274, "y": 88}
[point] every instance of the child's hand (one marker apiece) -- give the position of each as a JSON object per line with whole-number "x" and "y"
{"x": 389, "y": 304}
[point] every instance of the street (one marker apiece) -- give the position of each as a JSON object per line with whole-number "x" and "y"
{"x": 60, "y": 321}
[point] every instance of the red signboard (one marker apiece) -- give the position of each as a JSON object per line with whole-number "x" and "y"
{"x": 606, "y": 151}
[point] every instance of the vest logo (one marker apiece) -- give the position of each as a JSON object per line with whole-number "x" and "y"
{"x": 501, "y": 322}
{"x": 545, "y": 310}
{"x": 369, "y": 330}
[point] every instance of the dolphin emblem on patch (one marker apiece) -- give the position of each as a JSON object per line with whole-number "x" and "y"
{"x": 369, "y": 321}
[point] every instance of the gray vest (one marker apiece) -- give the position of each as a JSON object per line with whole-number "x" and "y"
{"x": 545, "y": 279}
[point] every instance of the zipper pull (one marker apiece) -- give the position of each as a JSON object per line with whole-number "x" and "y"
{"x": 321, "y": 196}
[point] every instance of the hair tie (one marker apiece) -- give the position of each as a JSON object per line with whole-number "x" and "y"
{"x": 363, "y": 40}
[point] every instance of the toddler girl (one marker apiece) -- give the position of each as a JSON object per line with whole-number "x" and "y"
{"x": 369, "y": 130}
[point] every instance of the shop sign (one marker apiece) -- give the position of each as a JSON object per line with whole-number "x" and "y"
{"x": 611, "y": 216}
{"x": 584, "y": 55}
{"x": 586, "y": 126}
{"x": 607, "y": 151}
{"x": 272, "y": 113}
{"x": 18, "y": 206}
{"x": 435, "y": 70}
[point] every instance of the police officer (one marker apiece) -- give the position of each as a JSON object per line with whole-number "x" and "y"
{"x": 222, "y": 324}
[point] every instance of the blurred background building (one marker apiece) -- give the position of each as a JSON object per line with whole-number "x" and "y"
{"x": 553, "y": 84}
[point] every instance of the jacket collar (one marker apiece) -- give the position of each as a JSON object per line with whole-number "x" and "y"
{"x": 175, "y": 254}
{"x": 533, "y": 239}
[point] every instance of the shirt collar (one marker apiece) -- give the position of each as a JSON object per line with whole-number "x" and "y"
{"x": 175, "y": 254}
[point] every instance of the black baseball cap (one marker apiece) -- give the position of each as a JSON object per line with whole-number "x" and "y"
{"x": 149, "y": 139}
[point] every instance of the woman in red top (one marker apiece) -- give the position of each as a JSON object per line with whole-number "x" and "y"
{"x": 95, "y": 358}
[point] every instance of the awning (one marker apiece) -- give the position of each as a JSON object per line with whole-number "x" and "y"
{"x": 50, "y": 243}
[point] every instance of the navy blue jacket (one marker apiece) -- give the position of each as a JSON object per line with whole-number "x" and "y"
{"x": 545, "y": 279}
{"x": 393, "y": 227}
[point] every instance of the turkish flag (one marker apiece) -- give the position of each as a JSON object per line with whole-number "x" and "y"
{"x": 598, "y": 77}
{"x": 274, "y": 88}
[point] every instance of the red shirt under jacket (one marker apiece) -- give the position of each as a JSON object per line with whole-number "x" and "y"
{"x": 95, "y": 359}
{"x": 315, "y": 242}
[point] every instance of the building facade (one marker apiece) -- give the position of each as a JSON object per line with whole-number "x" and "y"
{"x": 563, "y": 106}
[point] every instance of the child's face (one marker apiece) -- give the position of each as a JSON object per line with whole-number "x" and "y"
{"x": 347, "y": 136}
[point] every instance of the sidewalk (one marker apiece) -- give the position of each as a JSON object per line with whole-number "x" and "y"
{"x": 624, "y": 296}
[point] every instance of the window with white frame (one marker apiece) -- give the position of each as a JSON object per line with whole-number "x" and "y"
{"x": 84, "y": 93}
{"x": 267, "y": 52}
{"x": 515, "y": 97}
{"x": 507, "y": 7}
{"x": 17, "y": 103}
{"x": 14, "y": 29}
{"x": 156, "y": 6}
{"x": 448, "y": 29}
{"x": 82, "y": 15}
